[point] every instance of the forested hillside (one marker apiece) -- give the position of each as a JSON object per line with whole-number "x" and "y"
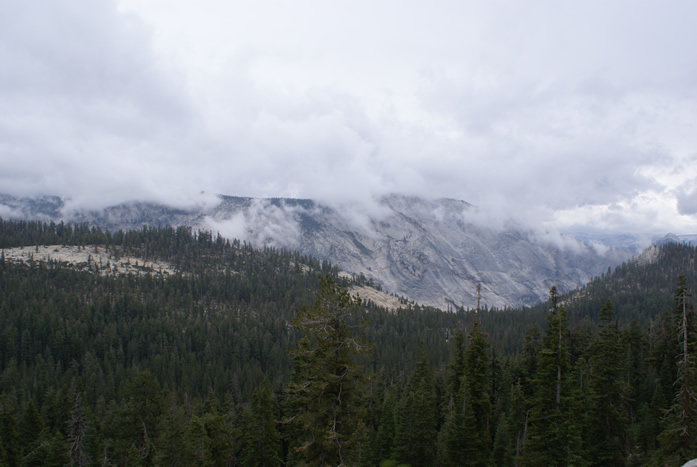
{"x": 261, "y": 357}
{"x": 641, "y": 288}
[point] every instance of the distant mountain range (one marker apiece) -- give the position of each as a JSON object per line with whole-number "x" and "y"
{"x": 672, "y": 238}
{"x": 434, "y": 252}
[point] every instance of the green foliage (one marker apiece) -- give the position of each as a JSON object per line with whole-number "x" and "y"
{"x": 552, "y": 427}
{"x": 260, "y": 440}
{"x": 198, "y": 443}
{"x": 49, "y": 450}
{"x": 417, "y": 416}
{"x": 639, "y": 290}
{"x": 219, "y": 441}
{"x": 326, "y": 392}
{"x": 477, "y": 405}
{"x": 173, "y": 447}
{"x": 678, "y": 440}
{"x": 78, "y": 447}
{"x": 607, "y": 427}
{"x": 465, "y": 435}
{"x": 146, "y": 368}
{"x": 29, "y": 428}
{"x": 502, "y": 452}
{"x": 9, "y": 436}
{"x": 382, "y": 447}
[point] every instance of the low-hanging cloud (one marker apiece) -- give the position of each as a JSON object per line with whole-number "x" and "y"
{"x": 543, "y": 114}
{"x": 261, "y": 223}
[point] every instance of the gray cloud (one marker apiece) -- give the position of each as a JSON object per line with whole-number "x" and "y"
{"x": 687, "y": 198}
{"x": 85, "y": 108}
{"x": 569, "y": 114}
{"x": 273, "y": 224}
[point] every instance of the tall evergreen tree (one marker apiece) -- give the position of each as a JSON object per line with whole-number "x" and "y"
{"x": 465, "y": 436}
{"x": 417, "y": 418}
{"x": 502, "y": 452}
{"x": 173, "y": 447}
{"x": 77, "y": 440}
{"x": 198, "y": 443}
{"x": 9, "y": 437}
{"x": 325, "y": 395}
{"x": 29, "y": 427}
{"x": 456, "y": 368}
{"x": 219, "y": 443}
{"x": 477, "y": 405}
{"x": 551, "y": 424}
{"x": 532, "y": 345}
{"x": 135, "y": 425}
{"x": 260, "y": 440}
{"x": 384, "y": 438}
{"x": 49, "y": 450}
{"x": 452, "y": 435}
{"x": 607, "y": 419}
{"x": 679, "y": 437}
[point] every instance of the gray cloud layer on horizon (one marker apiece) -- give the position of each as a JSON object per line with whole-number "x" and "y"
{"x": 567, "y": 113}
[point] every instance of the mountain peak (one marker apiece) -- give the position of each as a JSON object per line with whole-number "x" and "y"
{"x": 432, "y": 251}
{"x": 669, "y": 238}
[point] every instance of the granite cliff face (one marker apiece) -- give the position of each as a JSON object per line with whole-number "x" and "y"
{"x": 431, "y": 251}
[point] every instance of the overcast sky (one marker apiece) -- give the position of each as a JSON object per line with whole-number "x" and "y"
{"x": 564, "y": 112}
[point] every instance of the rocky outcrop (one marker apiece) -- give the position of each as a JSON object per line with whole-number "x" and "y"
{"x": 432, "y": 251}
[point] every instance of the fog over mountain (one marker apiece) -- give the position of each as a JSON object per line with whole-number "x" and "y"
{"x": 578, "y": 118}
{"x": 432, "y": 251}
{"x": 577, "y": 115}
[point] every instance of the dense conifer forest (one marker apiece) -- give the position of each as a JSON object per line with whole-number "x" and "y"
{"x": 250, "y": 356}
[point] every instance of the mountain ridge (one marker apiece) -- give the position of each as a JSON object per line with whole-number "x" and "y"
{"x": 432, "y": 251}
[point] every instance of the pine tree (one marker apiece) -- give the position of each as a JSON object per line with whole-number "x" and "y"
{"x": 219, "y": 439}
{"x": 29, "y": 427}
{"x": 77, "y": 440}
{"x": 679, "y": 437}
{"x": 417, "y": 417}
{"x": 517, "y": 419}
{"x": 173, "y": 447}
{"x": 465, "y": 436}
{"x": 50, "y": 450}
{"x": 386, "y": 430}
{"x": 324, "y": 396}
{"x": 550, "y": 433}
{"x": 9, "y": 437}
{"x": 532, "y": 345}
{"x": 502, "y": 450}
{"x": 260, "y": 440}
{"x": 136, "y": 422}
{"x": 477, "y": 405}
{"x": 607, "y": 418}
{"x": 456, "y": 369}
{"x": 198, "y": 443}
{"x": 452, "y": 438}
{"x": 650, "y": 419}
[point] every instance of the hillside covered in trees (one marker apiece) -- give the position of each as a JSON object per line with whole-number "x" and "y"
{"x": 261, "y": 357}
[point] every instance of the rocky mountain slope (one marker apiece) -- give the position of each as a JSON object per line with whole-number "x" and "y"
{"x": 433, "y": 251}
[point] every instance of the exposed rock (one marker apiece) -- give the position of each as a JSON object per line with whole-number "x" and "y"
{"x": 431, "y": 251}
{"x": 95, "y": 259}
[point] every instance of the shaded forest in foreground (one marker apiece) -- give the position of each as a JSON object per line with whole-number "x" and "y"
{"x": 261, "y": 357}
